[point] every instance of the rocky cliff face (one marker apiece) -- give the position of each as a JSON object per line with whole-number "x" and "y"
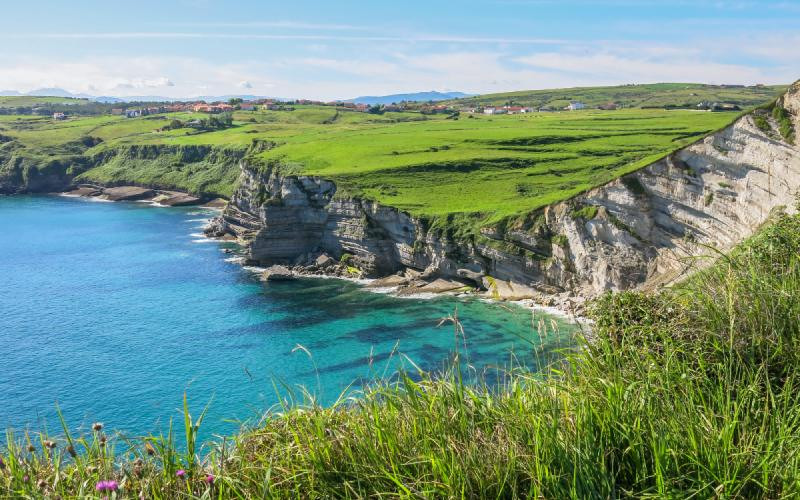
{"x": 641, "y": 230}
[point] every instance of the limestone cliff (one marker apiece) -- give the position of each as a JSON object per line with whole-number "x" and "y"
{"x": 641, "y": 230}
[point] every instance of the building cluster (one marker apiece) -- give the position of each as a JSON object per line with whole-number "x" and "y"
{"x": 506, "y": 110}
{"x": 517, "y": 110}
{"x": 718, "y": 106}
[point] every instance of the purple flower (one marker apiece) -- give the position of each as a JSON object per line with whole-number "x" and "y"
{"x": 210, "y": 478}
{"x": 181, "y": 473}
{"x": 107, "y": 486}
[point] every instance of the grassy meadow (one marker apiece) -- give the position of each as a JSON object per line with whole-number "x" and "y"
{"x": 650, "y": 95}
{"x": 428, "y": 165}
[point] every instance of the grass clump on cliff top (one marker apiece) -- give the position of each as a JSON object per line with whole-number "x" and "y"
{"x": 692, "y": 392}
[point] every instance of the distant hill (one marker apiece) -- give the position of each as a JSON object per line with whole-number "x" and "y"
{"x": 53, "y": 92}
{"x": 653, "y": 95}
{"x": 59, "y": 92}
{"x": 415, "y": 96}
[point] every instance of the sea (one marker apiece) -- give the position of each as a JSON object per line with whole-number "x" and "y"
{"x": 113, "y": 311}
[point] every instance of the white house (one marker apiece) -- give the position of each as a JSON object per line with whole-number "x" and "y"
{"x": 575, "y": 105}
{"x": 59, "y": 116}
{"x": 494, "y": 111}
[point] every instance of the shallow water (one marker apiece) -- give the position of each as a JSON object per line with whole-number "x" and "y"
{"x": 113, "y": 310}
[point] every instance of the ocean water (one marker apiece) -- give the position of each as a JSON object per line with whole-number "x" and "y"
{"x": 114, "y": 310}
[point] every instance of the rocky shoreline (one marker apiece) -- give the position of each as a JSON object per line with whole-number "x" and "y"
{"x": 137, "y": 193}
{"x": 405, "y": 283}
{"x": 412, "y": 283}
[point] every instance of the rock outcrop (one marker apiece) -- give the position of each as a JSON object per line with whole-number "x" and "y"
{"x": 642, "y": 230}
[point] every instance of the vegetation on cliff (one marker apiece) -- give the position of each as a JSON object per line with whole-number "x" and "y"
{"x": 694, "y": 391}
{"x": 431, "y": 165}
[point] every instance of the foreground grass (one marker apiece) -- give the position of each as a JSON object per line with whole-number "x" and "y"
{"x": 694, "y": 392}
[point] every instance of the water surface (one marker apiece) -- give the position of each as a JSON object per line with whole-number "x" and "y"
{"x": 113, "y": 310}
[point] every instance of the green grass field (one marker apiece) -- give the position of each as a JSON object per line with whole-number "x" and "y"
{"x": 657, "y": 95}
{"x": 428, "y": 165}
{"x": 22, "y": 101}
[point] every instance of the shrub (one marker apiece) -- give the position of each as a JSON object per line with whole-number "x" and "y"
{"x": 785, "y": 126}
{"x": 587, "y": 212}
{"x": 561, "y": 240}
{"x": 762, "y": 123}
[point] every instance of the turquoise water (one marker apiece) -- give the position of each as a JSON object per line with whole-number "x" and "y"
{"x": 113, "y": 310}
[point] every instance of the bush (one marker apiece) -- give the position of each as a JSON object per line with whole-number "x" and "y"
{"x": 762, "y": 123}
{"x": 587, "y": 212}
{"x": 785, "y": 126}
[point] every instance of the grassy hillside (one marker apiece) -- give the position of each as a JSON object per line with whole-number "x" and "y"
{"x": 429, "y": 165}
{"x": 654, "y": 95}
{"x": 691, "y": 393}
{"x": 30, "y": 101}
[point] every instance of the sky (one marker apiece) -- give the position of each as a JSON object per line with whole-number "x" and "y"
{"x": 323, "y": 49}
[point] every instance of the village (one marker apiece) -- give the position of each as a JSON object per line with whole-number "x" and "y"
{"x": 135, "y": 110}
{"x": 275, "y": 105}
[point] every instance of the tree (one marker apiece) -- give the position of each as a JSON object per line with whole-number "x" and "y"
{"x": 235, "y": 100}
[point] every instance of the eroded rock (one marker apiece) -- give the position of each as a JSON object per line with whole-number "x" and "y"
{"x": 277, "y": 273}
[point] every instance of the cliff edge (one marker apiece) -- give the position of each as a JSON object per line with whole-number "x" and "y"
{"x": 642, "y": 230}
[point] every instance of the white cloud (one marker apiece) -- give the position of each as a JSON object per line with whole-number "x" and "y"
{"x": 405, "y": 68}
{"x": 136, "y": 76}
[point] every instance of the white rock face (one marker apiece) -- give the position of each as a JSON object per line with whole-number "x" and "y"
{"x": 651, "y": 227}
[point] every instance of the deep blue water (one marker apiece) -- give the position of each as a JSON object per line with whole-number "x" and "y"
{"x": 113, "y": 310}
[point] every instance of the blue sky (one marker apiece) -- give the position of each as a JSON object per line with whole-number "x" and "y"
{"x": 340, "y": 49}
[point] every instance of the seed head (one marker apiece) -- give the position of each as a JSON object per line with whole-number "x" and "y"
{"x": 71, "y": 451}
{"x": 50, "y": 444}
{"x": 149, "y": 449}
{"x": 42, "y": 484}
{"x": 2, "y": 464}
{"x": 31, "y": 448}
{"x": 103, "y": 439}
{"x": 97, "y": 426}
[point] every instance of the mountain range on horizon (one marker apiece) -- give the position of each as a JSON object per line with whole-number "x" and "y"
{"x": 371, "y": 100}
{"x": 414, "y": 96}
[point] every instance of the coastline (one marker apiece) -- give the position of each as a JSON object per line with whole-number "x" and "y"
{"x": 563, "y": 308}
